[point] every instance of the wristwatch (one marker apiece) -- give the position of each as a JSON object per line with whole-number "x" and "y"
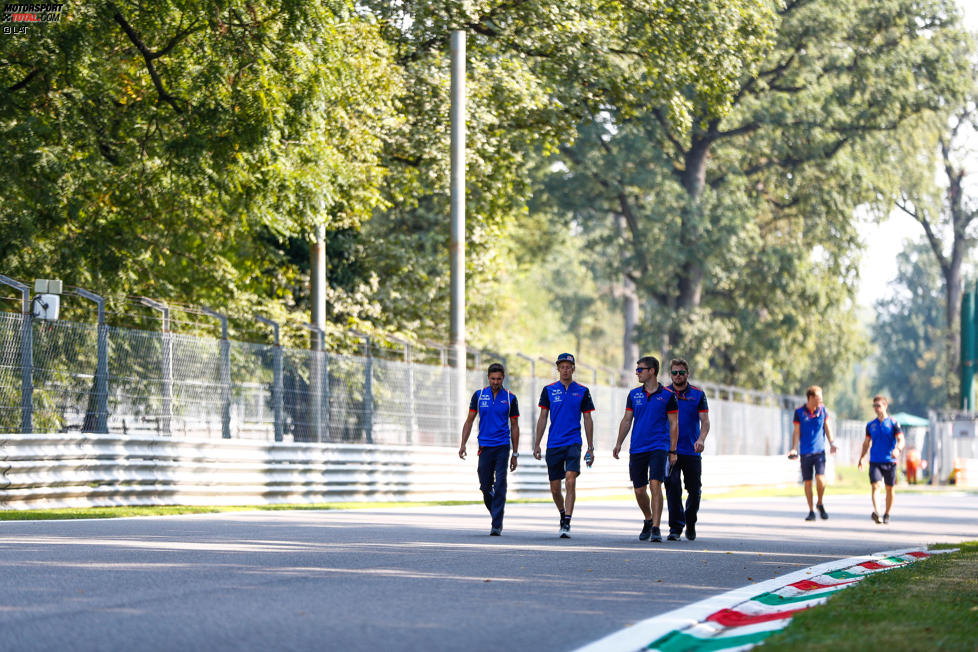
{"x": 516, "y": 454}
{"x": 672, "y": 452}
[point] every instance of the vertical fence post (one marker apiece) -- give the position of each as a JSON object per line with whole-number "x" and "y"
{"x": 533, "y": 394}
{"x": 278, "y": 398}
{"x": 318, "y": 383}
{"x": 412, "y": 410}
{"x": 166, "y": 363}
{"x": 26, "y": 355}
{"x": 99, "y": 421}
{"x": 225, "y": 372}
{"x": 368, "y": 388}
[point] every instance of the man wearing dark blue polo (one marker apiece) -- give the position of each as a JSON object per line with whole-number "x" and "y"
{"x": 694, "y": 426}
{"x": 884, "y": 443}
{"x": 564, "y": 402}
{"x": 498, "y": 426}
{"x": 654, "y": 411}
{"x": 808, "y": 440}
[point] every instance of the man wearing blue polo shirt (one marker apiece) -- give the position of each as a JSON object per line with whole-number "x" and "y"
{"x": 498, "y": 426}
{"x": 884, "y": 443}
{"x": 564, "y": 402}
{"x": 654, "y": 410}
{"x": 694, "y": 426}
{"x": 808, "y": 439}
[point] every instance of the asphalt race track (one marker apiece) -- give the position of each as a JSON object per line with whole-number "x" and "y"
{"x": 414, "y": 578}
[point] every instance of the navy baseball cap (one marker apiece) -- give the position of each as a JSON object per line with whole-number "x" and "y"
{"x": 566, "y": 357}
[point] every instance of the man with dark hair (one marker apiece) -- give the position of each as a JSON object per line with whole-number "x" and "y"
{"x": 498, "y": 426}
{"x": 654, "y": 410}
{"x": 564, "y": 402}
{"x": 884, "y": 443}
{"x": 694, "y": 426}
{"x": 808, "y": 440}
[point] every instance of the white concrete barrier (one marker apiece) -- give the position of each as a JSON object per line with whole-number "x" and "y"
{"x": 76, "y": 470}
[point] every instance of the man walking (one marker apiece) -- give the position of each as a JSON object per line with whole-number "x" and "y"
{"x": 810, "y": 432}
{"x": 694, "y": 426}
{"x": 884, "y": 442}
{"x": 654, "y": 411}
{"x": 564, "y": 402}
{"x": 498, "y": 426}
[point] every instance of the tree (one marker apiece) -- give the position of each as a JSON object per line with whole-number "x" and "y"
{"x": 736, "y": 228}
{"x": 535, "y": 68}
{"x": 171, "y": 148}
{"x": 948, "y": 213}
{"x": 912, "y": 363}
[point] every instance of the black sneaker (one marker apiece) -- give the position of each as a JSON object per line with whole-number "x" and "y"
{"x": 876, "y": 518}
{"x": 496, "y": 532}
{"x": 646, "y": 531}
{"x": 656, "y": 535}
{"x": 821, "y": 511}
{"x": 564, "y": 532}
{"x": 691, "y": 531}
{"x": 886, "y": 519}
{"x": 673, "y": 536}
{"x": 810, "y": 517}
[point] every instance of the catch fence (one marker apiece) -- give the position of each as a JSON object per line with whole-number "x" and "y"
{"x": 61, "y": 377}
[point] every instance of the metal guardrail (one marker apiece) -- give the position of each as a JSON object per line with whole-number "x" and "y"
{"x": 59, "y": 470}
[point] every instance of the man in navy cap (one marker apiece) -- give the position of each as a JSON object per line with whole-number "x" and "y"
{"x": 564, "y": 402}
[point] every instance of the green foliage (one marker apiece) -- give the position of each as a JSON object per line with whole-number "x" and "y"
{"x": 159, "y": 147}
{"x": 534, "y": 69}
{"x": 912, "y": 367}
{"x": 737, "y": 227}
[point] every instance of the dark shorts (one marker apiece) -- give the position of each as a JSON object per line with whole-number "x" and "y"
{"x": 883, "y": 471}
{"x": 562, "y": 459}
{"x": 652, "y": 465}
{"x": 812, "y": 462}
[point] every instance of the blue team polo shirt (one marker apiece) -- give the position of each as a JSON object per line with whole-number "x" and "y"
{"x": 650, "y": 429}
{"x": 884, "y": 434}
{"x": 811, "y": 429}
{"x": 566, "y": 407}
{"x": 494, "y": 415}
{"x": 692, "y": 403}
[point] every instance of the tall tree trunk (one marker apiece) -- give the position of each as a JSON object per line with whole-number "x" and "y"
{"x": 630, "y": 352}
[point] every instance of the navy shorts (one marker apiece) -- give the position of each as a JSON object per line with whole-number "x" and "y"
{"x": 651, "y": 465}
{"x": 812, "y": 462}
{"x": 562, "y": 459}
{"x": 883, "y": 471}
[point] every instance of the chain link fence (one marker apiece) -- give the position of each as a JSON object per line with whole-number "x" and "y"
{"x": 82, "y": 377}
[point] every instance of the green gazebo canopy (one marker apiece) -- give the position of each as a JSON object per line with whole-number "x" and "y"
{"x": 909, "y": 420}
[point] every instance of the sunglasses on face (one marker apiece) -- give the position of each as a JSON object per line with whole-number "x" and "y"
{"x": 639, "y": 370}
{"x": 678, "y": 372}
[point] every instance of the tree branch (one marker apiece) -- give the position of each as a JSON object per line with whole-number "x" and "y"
{"x": 148, "y": 57}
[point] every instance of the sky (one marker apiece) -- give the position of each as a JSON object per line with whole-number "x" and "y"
{"x": 884, "y": 240}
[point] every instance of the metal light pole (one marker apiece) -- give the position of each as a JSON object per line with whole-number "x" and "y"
{"x": 458, "y": 220}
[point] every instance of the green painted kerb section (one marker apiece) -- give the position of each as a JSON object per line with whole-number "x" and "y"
{"x": 844, "y": 575}
{"x": 678, "y": 642}
{"x": 774, "y": 599}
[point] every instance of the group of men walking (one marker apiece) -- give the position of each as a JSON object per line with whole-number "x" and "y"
{"x": 669, "y": 426}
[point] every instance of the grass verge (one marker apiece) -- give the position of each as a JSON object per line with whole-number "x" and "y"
{"x": 929, "y": 605}
{"x": 173, "y": 510}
